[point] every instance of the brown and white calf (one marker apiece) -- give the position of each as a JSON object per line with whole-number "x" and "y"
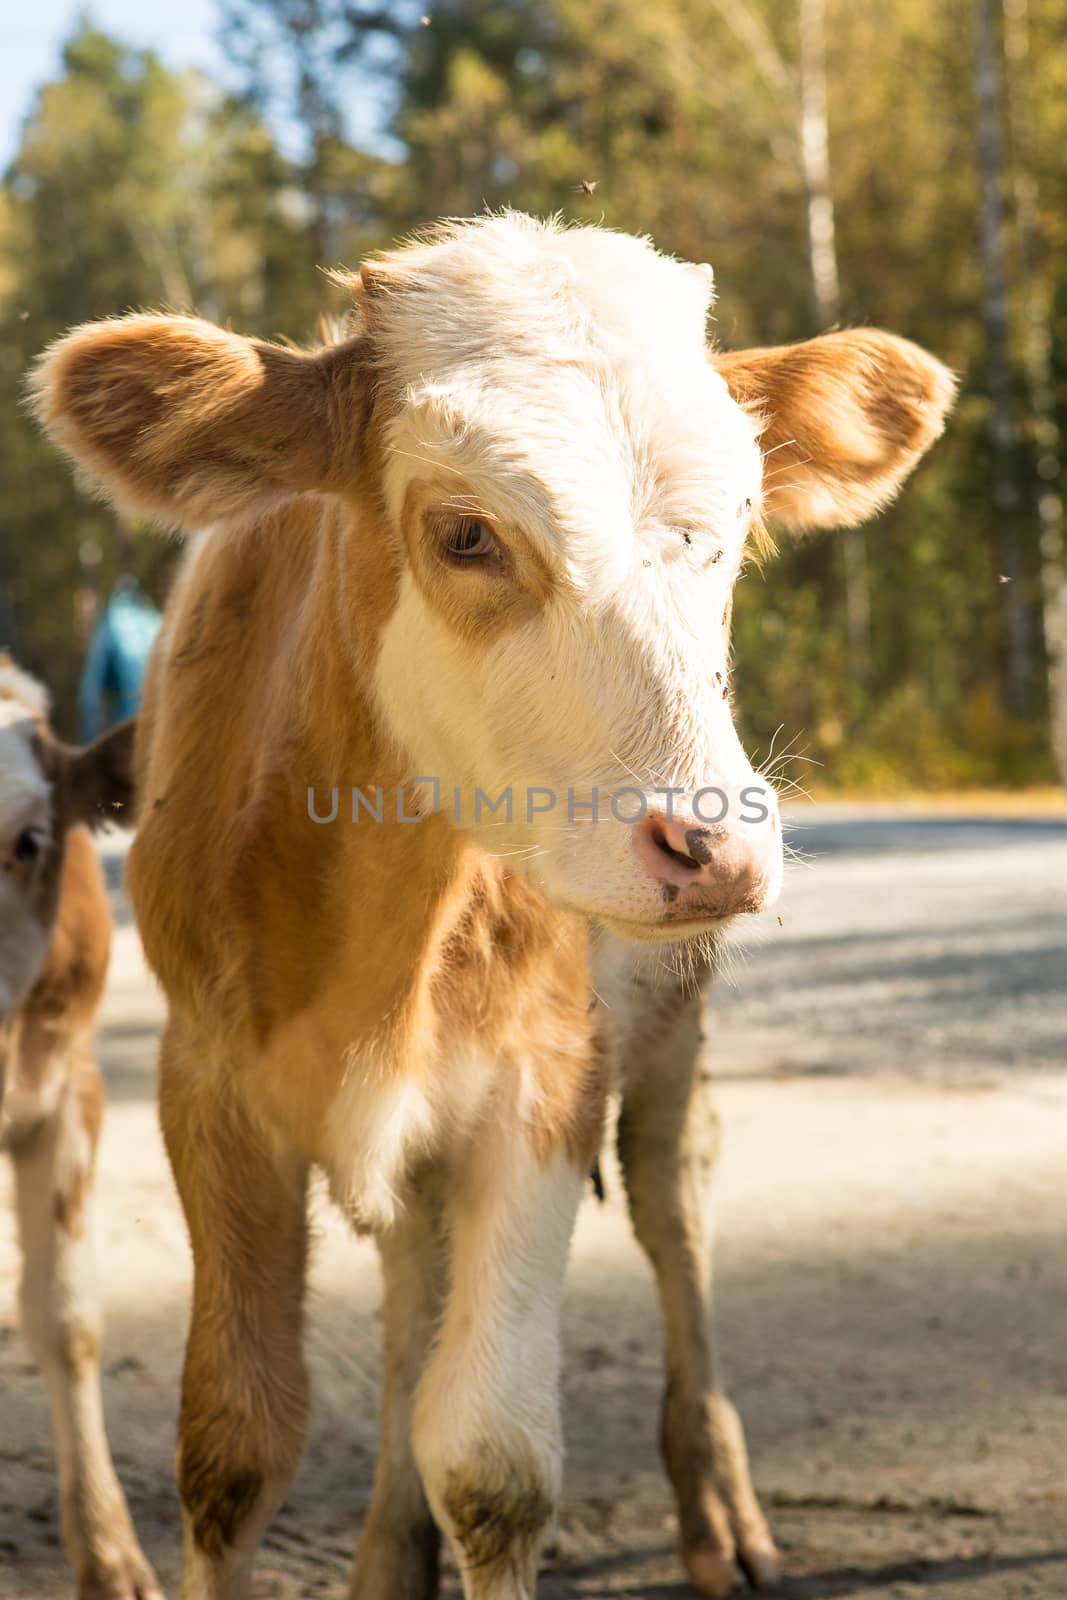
{"x": 55, "y": 935}
{"x": 486, "y": 546}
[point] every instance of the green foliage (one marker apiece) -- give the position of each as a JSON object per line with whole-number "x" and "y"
{"x": 686, "y": 115}
{"x": 136, "y": 186}
{"x": 133, "y": 186}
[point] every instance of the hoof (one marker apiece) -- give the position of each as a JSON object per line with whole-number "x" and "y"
{"x": 762, "y": 1564}
{"x": 712, "y": 1573}
{"x": 127, "y": 1579}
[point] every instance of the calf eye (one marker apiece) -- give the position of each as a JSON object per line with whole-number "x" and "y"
{"x": 28, "y": 845}
{"x": 468, "y": 539}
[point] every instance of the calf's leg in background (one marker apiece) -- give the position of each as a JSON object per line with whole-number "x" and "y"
{"x": 53, "y": 1139}
{"x": 399, "y": 1543}
{"x": 667, "y": 1139}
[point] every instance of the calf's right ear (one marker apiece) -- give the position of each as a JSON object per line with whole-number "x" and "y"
{"x": 843, "y": 420}
{"x": 186, "y": 423}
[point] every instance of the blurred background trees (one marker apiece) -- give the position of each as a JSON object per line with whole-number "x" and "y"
{"x": 899, "y": 164}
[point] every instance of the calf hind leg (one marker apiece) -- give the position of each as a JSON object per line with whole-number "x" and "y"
{"x": 244, "y": 1387}
{"x": 54, "y": 1158}
{"x": 399, "y": 1546}
{"x": 667, "y": 1137}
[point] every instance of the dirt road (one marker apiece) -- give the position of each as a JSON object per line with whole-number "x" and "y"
{"x": 892, "y": 1260}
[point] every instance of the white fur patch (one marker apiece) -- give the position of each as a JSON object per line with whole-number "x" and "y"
{"x": 564, "y": 374}
{"x": 495, "y": 1373}
{"x": 19, "y": 685}
{"x": 24, "y": 790}
{"x": 384, "y": 1120}
{"x": 25, "y": 803}
{"x": 377, "y": 1126}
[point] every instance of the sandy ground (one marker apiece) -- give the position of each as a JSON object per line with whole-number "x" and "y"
{"x": 891, "y": 1260}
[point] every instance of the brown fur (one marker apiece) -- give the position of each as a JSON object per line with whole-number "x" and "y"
{"x": 247, "y": 910}
{"x": 270, "y": 933}
{"x": 71, "y": 983}
{"x": 846, "y": 416}
{"x": 170, "y": 410}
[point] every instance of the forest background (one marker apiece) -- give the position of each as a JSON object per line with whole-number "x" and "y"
{"x": 837, "y": 161}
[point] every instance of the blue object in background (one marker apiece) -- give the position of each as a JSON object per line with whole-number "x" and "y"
{"x": 111, "y": 682}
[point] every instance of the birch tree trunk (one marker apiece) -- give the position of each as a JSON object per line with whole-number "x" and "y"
{"x": 815, "y": 151}
{"x": 826, "y": 289}
{"x": 1037, "y": 348}
{"x": 1003, "y": 437}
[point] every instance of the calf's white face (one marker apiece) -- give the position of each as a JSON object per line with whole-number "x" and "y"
{"x": 26, "y": 843}
{"x": 575, "y": 485}
{"x": 569, "y": 480}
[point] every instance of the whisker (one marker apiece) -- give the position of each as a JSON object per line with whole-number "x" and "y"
{"x": 788, "y": 467}
{"x": 774, "y": 735}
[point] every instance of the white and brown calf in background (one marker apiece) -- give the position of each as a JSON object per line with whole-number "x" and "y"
{"x": 486, "y": 544}
{"x": 55, "y": 935}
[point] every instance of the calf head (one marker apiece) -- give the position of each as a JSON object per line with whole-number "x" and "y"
{"x": 45, "y": 788}
{"x": 568, "y": 483}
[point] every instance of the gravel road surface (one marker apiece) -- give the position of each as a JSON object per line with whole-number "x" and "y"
{"x": 891, "y": 1259}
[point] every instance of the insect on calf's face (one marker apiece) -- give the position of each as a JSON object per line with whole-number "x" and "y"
{"x": 575, "y": 486}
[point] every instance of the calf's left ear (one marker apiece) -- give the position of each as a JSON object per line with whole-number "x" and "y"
{"x": 98, "y": 778}
{"x": 845, "y": 418}
{"x": 188, "y": 423}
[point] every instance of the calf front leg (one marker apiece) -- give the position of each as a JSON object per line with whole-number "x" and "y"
{"x": 667, "y": 1140}
{"x": 54, "y": 1159}
{"x": 244, "y": 1386}
{"x": 399, "y": 1546}
{"x": 486, "y": 1427}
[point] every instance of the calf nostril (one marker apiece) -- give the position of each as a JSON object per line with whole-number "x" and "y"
{"x": 663, "y": 844}
{"x": 698, "y": 843}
